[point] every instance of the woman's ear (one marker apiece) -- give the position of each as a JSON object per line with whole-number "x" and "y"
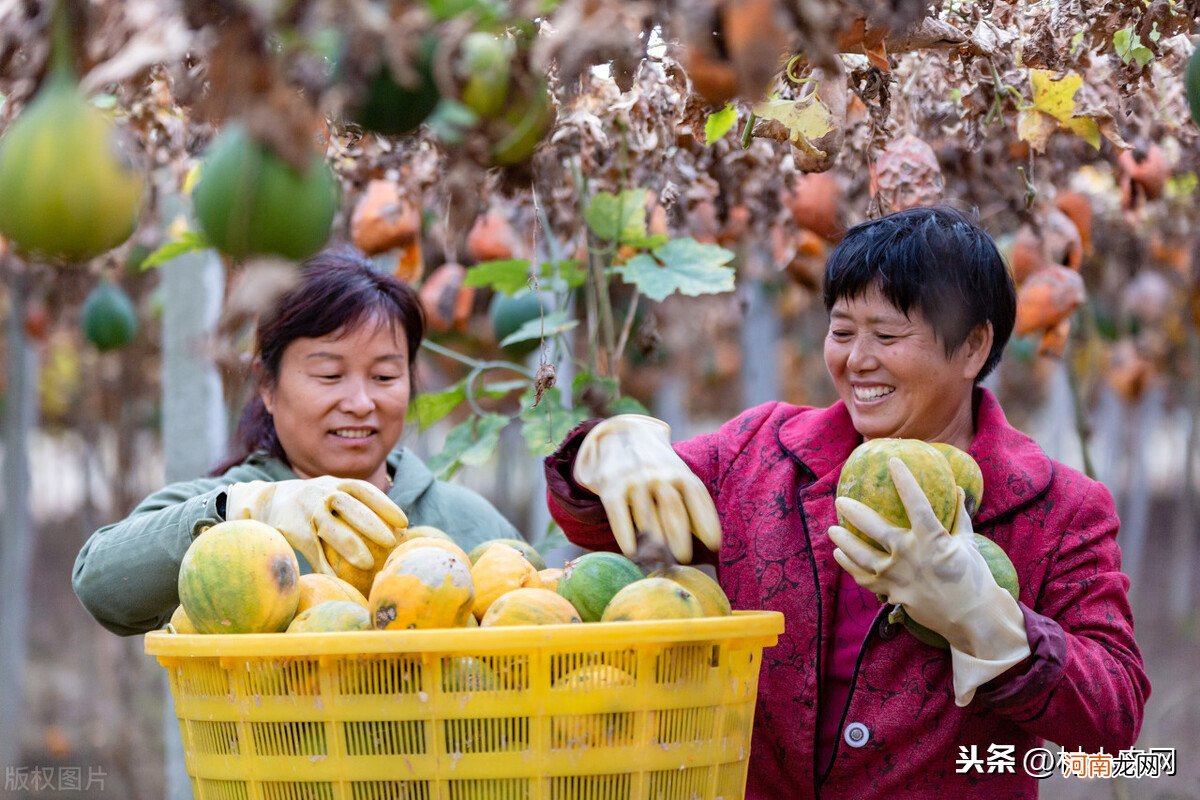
{"x": 977, "y": 348}
{"x": 266, "y": 390}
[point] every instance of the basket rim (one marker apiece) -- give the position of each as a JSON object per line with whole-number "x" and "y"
{"x": 742, "y": 625}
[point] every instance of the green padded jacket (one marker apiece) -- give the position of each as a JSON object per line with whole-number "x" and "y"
{"x": 127, "y": 572}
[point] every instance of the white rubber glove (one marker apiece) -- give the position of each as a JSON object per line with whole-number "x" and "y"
{"x": 941, "y": 580}
{"x": 628, "y": 460}
{"x": 339, "y": 510}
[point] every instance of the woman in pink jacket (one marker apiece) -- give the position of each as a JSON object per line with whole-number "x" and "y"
{"x": 851, "y": 706}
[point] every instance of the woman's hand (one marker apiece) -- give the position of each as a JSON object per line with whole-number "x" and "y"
{"x": 342, "y": 511}
{"x": 940, "y": 578}
{"x": 646, "y": 487}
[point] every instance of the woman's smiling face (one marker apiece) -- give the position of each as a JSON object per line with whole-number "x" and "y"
{"x": 892, "y": 372}
{"x": 340, "y": 401}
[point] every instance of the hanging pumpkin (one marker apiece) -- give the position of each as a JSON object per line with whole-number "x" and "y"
{"x": 446, "y": 301}
{"x": 492, "y": 238}
{"x": 815, "y": 200}
{"x": 1047, "y": 298}
{"x": 383, "y": 219}
{"x": 907, "y": 174}
{"x": 1144, "y": 173}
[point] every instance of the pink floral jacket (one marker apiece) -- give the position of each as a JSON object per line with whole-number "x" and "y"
{"x": 773, "y": 472}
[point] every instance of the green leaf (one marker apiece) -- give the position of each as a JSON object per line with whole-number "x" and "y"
{"x": 444, "y": 463}
{"x": 487, "y": 436}
{"x": 628, "y": 405}
{"x": 548, "y": 424}
{"x": 618, "y": 218}
{"x": 719, "y": 123}
{"x": 502, "y": 389}
{"x": 1129, "y": 47}
{"x": 585, "y": 380}
{"x": 554, "y": 538}
{"x": 450, "y": 121}
{"x": 508, "y": 276}
{"x": 681, "y": 265}
{"x": 470, "y": 443}
{"x": 426, "y": 409}
{"x": 484, "y": 10}
{"x": 649, "y": 242}
{"x": 188, "y": 242}
{"x": 1121, "y": 41}
{"x": 571, "y": 271}
{"x": 554, "y": 324}
{"x": 1182, "y": 186}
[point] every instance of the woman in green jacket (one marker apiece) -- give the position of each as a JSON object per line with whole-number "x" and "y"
{"x": 316, "y": 450}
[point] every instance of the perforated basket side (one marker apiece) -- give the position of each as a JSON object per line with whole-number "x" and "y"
{"x": 470, "y": 722}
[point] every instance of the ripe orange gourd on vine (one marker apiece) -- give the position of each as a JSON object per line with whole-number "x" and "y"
{"x": 491, "y": 238}
{"x": 1144, "y": 173}
{"x": 1047, "y": 298}
{"x": 446, "y": 300}
{"x": 383, "y": 219}
{"x": 907, "y": 174}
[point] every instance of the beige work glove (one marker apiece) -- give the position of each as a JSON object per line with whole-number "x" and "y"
{"x": 341, "y": 511}
{"x": 941, "y": 580}
{"x": 628, "y": 460}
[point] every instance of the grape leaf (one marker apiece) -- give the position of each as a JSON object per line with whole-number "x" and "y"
{"x": 547, "y": 424}
{"x": 555, "y": 323}
{"x": 507, "y": 276}
{"x": 627, "y": 405}
{"x": 470, "y": 443}
{"x": 681, "y": 265}
{"x": 571, "y": 271}
{"x": 618, "y": 218}
{"x": 426, "y": 409}
{"x": 1128, "y": 45}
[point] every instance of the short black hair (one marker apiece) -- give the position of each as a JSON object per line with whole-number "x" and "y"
{"x": 936, "y": 260}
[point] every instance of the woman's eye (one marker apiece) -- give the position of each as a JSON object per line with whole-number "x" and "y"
{"x": 328, "y": 377}
{"x": 387, "y": 378}
{"x": 840, "y": 336}
{"x": 885, "y": 337}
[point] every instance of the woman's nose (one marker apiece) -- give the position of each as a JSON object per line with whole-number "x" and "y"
{"x": 357, "y": 399}
{"x": 862, "y": 355}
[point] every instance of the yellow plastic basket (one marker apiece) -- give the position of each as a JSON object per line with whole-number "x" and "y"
{"x": 487, "y": 714}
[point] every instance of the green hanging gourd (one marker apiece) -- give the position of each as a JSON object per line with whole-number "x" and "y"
{"x": 109, "y": 319}
{"x": 1191, "y": 83}
{"x": 67, "y": 191}
{"x": 249, "y": 201}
